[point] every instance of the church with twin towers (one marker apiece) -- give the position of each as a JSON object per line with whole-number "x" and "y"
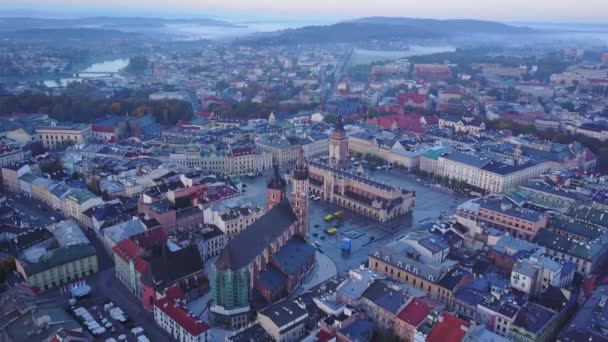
{"x": 268, "y": 260}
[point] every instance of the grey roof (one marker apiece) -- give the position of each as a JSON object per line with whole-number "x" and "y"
{"x": 21, "y": 308}
{"x": 591, "y": 320}
{"x": 354, "y": 286}
{"x": 505, "y": 169}
{"x": 533, "y": 318}
{"x": 171, "y": 266}
{"x": 434, "y": 243}
{"x": 243, "y": 248}
{"x": 124, "y": 230}
{"x": 468, "y": 159}
{"x": 285, "y": 311}
{"x": 360, "y": 331}
{"x": 27, "y": 238}
{"x": 396, "y": 254}
{"x": 387, "y": 295}
{"x": 272, "y": 279}
{"x": 294, "y": 255}
{"x": 60, "y": 256}
{"x": 524, "y": 267}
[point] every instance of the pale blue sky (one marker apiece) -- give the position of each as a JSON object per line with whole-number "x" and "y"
{"x": 502, "y": 10}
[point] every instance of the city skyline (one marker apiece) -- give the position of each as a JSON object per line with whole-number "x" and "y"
{"x": 588, "y": 11}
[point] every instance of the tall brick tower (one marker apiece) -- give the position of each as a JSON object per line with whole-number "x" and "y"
{"x": 338, "y": 145}
{"x": 276, "y": 189}
{"x": 299, "y": 194}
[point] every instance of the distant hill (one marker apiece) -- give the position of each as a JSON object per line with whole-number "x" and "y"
{"x": 385, "y": 28}
{"x": 450, "y": 26}
{"x": 25, "y": 23}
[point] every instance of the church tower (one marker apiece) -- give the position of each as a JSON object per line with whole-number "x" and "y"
{"x": 338, "y": 145}
{"x": 276, "y": 188}
{"x": 299, "y": 194}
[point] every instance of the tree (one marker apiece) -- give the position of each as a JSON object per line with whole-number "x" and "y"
{"x": 372, "y": 112}
{"x": 93, "y": 185}
{"x": 222, "y": 85}
{"x": 569, "y": 106}
{"x": 137, "y": 65}
{"x": 7, "y": 266}
{"x": 51, "y": 166}
{"x": 330, "y": 119}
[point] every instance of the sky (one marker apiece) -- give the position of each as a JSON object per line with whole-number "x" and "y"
{"x": 579, "y": 11}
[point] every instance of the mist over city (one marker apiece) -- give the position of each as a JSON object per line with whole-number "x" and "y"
{"x": 331, "y": 171}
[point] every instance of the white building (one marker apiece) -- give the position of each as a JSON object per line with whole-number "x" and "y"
{"x": 57, "y": 137}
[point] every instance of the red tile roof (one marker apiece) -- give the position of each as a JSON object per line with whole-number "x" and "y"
{"x": 412, "y": 98}
{"x": 324, "y": 336}
{"x": 192, "y": 324}
{"x": 410, "y": 122}
{"x": 104, "y": 129}
{"x": 150, "y": 237}
{"x": 205, "y": 114}
{"x": 450, "y": 329}
{"x": 174, "y": 292}
{"x": 414, "y": 312}
{"x": 128, "y": 250}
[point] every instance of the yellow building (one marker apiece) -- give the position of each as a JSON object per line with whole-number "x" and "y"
{"x": 59, "y": 266}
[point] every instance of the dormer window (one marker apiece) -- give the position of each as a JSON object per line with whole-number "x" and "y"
{"x": 377, "y": 254}
{"x": 386, "y": 258}
{"x": 399, "y": 264}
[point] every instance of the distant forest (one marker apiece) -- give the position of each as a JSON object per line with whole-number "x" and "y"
{"x": 85, "y": 109}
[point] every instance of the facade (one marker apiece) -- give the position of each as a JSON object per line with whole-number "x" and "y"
{"x": 487, "y": 174}
{"x": 285, "y": 149}
{"x": 57, "y": 137}
{"x": 11, "y": 175}
{"x": 59, "y": 266}
{"x": 233, "y": 220}
{"x": 503, "y": 214}
{"x": 235, "y": 161}
{"x": 77, "y": 202}
{"x": 364, "y": 196}
{"x": 13, "y": 156}
{"x": 537, "y": 273}
{"x": 466, "y": 124}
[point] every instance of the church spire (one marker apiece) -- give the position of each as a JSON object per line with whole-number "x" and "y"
{"x": 300, "y": 170}
{"x": 276, "y": 187}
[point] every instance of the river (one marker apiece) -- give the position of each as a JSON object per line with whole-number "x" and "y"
{"x": 99, "y": 69}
